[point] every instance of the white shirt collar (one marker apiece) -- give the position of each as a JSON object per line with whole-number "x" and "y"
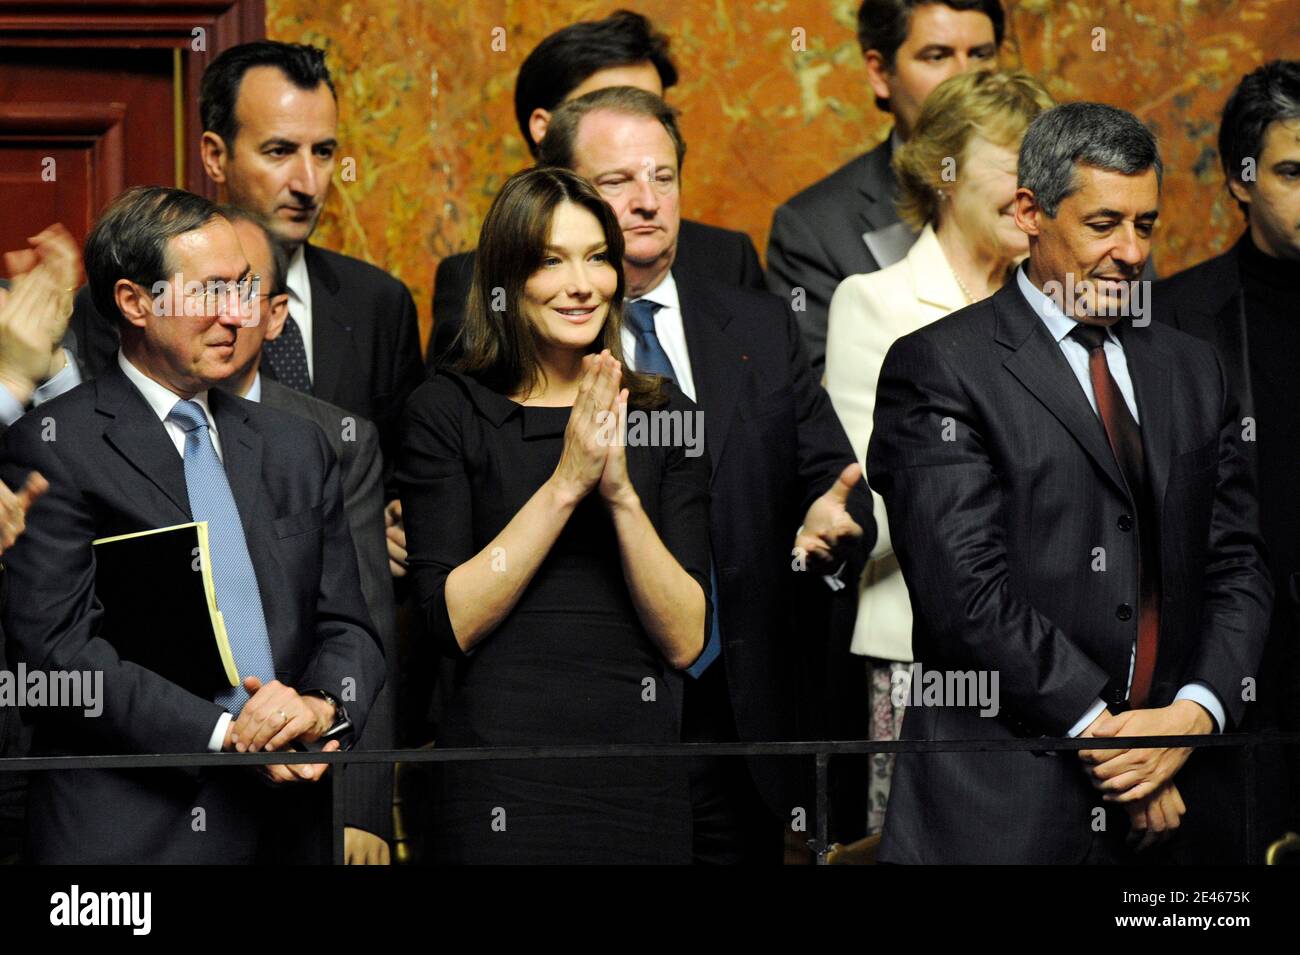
{"x": 296, "y": 280}
{"x": 664, "y": 294}
{"x": 160, "y": 398}
{"x": 255, "y": 389}
{"x": 1057, "y": 322}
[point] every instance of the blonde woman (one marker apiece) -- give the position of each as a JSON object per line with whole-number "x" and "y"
{"x": 957, "y": 180}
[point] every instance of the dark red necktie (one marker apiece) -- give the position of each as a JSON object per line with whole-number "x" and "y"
{"x": 1125, "y": 439}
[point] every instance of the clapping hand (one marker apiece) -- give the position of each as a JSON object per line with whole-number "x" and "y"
{"x": 34, "y": 314}
{"x": 15, "y": 505}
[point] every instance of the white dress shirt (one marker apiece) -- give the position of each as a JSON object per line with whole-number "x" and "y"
{"x": 162, "y": 400}
{"x": 1059, "y": 325}
{"x": 299, "y": 285}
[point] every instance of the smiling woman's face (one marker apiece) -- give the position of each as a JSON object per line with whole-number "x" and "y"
{"x": 567, "y": 299}
{"x": 983, "y": 199}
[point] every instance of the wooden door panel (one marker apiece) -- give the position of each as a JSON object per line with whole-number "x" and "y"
{"x": 109, "y": 90}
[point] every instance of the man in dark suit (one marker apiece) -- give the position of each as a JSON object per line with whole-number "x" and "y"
{"x": 355, "y": 442}
{"x": 1073, "y": 510}
{"x": 846, "y": 223}
{"x": 270, "y": 121}
{"x": 1244, "y": 302}
{"x": 620, "y": 50}
{"x": 150, "y": 444}
{"x": 784, "y": 473}
{"x": 38, "y": 362}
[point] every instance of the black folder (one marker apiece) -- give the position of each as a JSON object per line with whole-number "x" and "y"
{"x": 160, "y": 606}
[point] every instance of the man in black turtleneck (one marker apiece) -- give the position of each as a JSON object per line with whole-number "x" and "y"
{"x": 1247, "y": 303}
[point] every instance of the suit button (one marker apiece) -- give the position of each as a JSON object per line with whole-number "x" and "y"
{"x": 1124, "y": 612}
{"x": 1125, "y": 522}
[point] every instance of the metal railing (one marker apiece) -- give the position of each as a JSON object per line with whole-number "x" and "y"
{"x": 821, "y": 750}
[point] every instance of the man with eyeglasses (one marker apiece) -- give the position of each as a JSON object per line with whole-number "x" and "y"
{"x": 150, "y": 443}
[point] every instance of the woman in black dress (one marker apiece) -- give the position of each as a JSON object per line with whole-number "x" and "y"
{"x": 566, "y": 573}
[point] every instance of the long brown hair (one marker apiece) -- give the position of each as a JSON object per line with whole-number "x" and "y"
{"x": 496, "y": 342}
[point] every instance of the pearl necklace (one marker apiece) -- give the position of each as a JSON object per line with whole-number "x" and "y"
{"x": 970, "y": 299}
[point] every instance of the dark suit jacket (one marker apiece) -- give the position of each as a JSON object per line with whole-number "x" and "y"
{"x": 1207, "y": 301}
{"x": 15, "y": 737}
{"x": 728, "y": 256}
{"x": 114, "y": 470}
{"x": 999, "y": 483}
{"x": 369, "y": 787}
{"x": 365, "y": 340}
{"x": 776, "y": 446}
{"x": 817, "y": 239}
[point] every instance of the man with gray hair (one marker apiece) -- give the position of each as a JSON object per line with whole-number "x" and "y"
{"x": 1073, "y": 510}
{"x": 149, "y": 444}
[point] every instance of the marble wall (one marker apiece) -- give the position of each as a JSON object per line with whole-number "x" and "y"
{"x": 426, "y": 90}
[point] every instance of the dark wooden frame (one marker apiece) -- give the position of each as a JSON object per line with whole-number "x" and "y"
{"x": 167, "y": 24}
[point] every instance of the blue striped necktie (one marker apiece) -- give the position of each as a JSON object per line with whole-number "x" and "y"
{"x": 238, "y": 598}
{"x": 651, "y": 359}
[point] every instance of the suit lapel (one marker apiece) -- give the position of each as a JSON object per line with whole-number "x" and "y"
{"x": 876, "y": 186}
{"x": 1149, "y": 365}
{"x": 1216, "y": 313}
{"x": 331, "y": 330}
{"x": 140, "y": 438}
{"x": 1039, "y": 365}
{"x": 717, "y": 363}
{"x": 1224, "y": 323}
{"x": 933, "y": 281}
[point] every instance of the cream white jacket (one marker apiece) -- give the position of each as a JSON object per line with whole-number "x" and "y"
{"x": 867, "y": 314}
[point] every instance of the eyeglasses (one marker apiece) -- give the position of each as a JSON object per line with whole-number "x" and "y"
{"x": 216, "y": 298}
{"x": 213, "y": 298}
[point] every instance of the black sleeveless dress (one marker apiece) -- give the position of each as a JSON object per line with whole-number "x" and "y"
{"x": 571, "y": 663}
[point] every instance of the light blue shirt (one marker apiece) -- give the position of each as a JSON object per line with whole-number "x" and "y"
{"x": 1059, "y": 325}
{"x": 67, "y": 379}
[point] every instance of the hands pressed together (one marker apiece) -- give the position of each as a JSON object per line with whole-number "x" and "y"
{"x": 594, "y": 453}
{"x": 1141, "y": 780}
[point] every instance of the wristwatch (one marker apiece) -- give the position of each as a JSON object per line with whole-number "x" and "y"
{"x": 342, "y": 725}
